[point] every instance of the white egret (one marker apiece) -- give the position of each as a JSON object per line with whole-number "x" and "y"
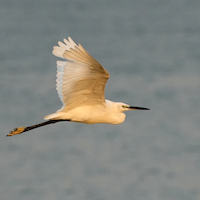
{"x": 80, "y": 85}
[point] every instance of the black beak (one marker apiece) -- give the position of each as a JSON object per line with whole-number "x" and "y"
{"x": 138, "y": 108}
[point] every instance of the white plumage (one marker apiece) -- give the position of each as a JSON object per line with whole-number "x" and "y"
{"x": 80, "y": 80}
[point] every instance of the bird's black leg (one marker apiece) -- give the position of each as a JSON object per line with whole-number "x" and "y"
{"x": 20, "y": 130}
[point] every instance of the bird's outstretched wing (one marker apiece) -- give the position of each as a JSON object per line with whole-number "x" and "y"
{"x": 81, "y": 79}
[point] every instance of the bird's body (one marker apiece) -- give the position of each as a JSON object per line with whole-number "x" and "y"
{"x": 80, "y": 85}
{"x": 107, "y": 112}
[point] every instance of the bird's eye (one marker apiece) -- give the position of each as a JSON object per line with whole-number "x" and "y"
{"x": 124, "y": 106}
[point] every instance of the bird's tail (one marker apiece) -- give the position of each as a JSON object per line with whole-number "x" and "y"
{"x": 54, "y": 116}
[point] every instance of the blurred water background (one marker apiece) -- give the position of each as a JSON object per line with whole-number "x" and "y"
{"x": 151, "y": 49}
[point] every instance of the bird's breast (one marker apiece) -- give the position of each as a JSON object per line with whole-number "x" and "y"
{"x": 97, "y": 114}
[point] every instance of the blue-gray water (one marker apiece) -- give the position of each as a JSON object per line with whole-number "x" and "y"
{"x": 151, "y": 49}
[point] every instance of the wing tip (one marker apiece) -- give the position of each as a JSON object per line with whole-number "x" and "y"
{"x": 63, "y": 46}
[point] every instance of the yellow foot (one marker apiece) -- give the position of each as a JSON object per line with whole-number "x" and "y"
{"x": 17, "y": 131}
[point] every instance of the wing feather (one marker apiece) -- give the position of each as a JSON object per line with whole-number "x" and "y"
{"x": 81, "y": 79}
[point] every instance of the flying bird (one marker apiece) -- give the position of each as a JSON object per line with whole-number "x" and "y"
{"x": 80, "y": 85}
